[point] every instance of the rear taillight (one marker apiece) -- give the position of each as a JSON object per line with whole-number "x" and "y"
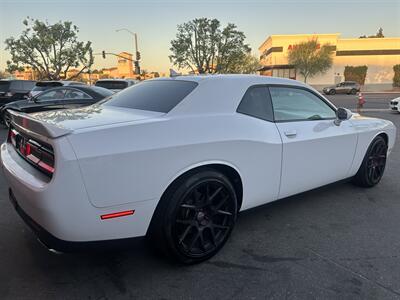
{"x": 38, "y": 154}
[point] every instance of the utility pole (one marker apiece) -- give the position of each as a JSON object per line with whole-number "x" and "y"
{"x": 137, "y": 53}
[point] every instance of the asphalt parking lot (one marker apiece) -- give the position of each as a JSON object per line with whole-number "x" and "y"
{"x": 336, "y": 242}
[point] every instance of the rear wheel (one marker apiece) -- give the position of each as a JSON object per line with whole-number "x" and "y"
{"x": 373, "y": 165}
{"x": 195, "y": 217}
{"x": 332, "y": 92}
{"x": 353, "y": 91}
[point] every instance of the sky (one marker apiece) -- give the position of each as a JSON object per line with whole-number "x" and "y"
{"x": 155, "y": 21}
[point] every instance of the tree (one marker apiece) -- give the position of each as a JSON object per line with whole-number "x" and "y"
{"x": 396, "y": 77}
{"x": 355, "y": 73}
{"x": 50, "y": 49}
{"x": 310, "y": 59}
{"x": 3, "y": 75}
{"x": 244, "y": 64}
{"x": 203, "y": 47}
{"x": 379, "y": 34}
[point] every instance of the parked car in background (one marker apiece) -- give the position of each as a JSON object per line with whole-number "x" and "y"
{"x": 345, "y": 87}
{"x": 176, "y": 159}
{"x": 72, "y": 96}
{"x": 45, "y": 85}
{"x": 11, "y": 90}
{"x": 115, "y": 85}
{"x": 395, "y": 104}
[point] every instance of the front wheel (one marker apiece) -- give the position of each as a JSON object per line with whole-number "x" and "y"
{"x": 373, "y": 165}
{"x": 195, "y": 217}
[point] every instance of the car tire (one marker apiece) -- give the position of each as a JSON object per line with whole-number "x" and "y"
{"x": 195, "y": 217}
{"x": 373, "y": 165}
{"x": 353, "y": 91}
{"x": 332, "y": 92}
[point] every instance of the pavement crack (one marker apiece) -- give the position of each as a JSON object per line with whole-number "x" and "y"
{"x": 347, "y": 269}
{"x": 228, "y": 265}
{"x": 269, "y": 258}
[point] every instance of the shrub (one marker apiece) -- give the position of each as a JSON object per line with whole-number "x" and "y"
{"x": 355, "y": 73}
{"x": 396, "y": 77}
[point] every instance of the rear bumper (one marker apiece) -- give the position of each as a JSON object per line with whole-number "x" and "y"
{"x": 59, "y": 211}
{"x": 54, "y": 243}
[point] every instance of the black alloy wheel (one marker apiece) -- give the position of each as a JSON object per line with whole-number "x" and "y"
{"x": 199, "y": 215}
{"x": 373, "y": 165}
{"x": 204, "y": 219}
{"x": 332, "y": 92}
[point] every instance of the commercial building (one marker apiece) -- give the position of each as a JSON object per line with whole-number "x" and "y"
{"x": 379, "y": 54}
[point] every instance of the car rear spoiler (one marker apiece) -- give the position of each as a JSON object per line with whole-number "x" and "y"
{"x": 36, "y": 127}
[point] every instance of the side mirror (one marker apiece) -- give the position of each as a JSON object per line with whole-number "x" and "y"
{"x": 342, "y": 114}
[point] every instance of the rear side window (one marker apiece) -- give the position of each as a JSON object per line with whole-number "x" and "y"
{"x": 153, "y": 95}
{"x": 256, "y": 102}
{"x": 4, "y": 86}
{"x": 16, "y": 85}
{"x": 28, "y": 85}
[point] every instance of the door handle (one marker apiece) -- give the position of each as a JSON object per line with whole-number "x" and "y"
{"x": 290, "y": 133}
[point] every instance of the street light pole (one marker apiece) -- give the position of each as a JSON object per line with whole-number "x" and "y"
{"x": 137, "y": 53}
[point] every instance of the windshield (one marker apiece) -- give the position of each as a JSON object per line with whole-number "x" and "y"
{"x": 112, "y": 84}
{"x": 4, "y": 86}
{"x": 41, "y": 88}
{"x": 102, "y": 91}
{"x": 153, "y": 95}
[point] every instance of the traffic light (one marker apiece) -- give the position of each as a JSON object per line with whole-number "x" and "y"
{"x": 137, "y": 67}
{"x": 103, "y": 54}
{"x": 137, "y": 55}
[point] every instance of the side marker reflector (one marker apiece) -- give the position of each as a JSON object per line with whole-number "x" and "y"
{"x": 117, "y": 214}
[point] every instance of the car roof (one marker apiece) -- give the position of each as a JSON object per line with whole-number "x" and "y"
{"x": 115, "y": 79}
{"x": 222, "y": 93}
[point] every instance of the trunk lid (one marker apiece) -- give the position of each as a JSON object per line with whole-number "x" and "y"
{"x": 68, "y": 120}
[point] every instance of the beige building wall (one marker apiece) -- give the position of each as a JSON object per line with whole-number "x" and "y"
{"x": 125, "y": 65}
{"x": 379, "y": 54}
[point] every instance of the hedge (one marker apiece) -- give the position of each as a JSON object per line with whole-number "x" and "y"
{"x": 357, "y": 73}
{"x": 396, "y": 77}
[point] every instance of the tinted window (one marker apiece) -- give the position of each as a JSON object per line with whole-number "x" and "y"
{"x": 41, "y": 88}
{"x": 4, "y": 86}
{"x": 16, "y": 85}
{"x": 102, "y": 91}
{"x": 112, "y": 84}
{"x": 256, "y": 102}
{"x": 28, "y": 85}
{"x": 57, "y": 94}
{"x": 153, "y": 95}
{"x": 73, "y": 94}
{"x": 297, "y": 104}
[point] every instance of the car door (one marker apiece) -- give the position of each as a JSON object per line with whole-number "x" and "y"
{"x": 262, "y": 160}
{"x": 75, "y": 98}
{"x": 48, "y": 100}
{"x": 341, "y": 88}
{"x": 315, "y": 151}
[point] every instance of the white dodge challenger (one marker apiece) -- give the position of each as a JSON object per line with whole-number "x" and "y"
{"x": 176, "y": 159}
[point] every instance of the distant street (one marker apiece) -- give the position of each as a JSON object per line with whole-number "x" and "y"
{"x": 379, "y": 101}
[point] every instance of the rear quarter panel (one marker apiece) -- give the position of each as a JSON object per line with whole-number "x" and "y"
{"x": 137, "y": 161}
